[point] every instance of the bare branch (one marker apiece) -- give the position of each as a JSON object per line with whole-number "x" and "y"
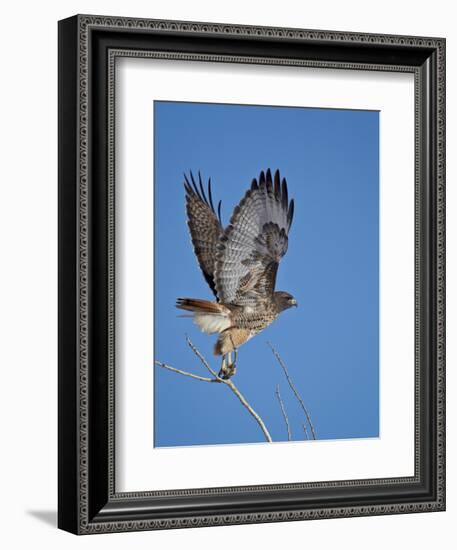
{"x": 240, "y": 396}
{"x": 202, "y": 359}
{"x": 293, "y": 388}
{"x": 305, "y": 429}
{"x": 284, "y": 414}
{"x": 220, "y": 380}
{"x": 185, "y": 373}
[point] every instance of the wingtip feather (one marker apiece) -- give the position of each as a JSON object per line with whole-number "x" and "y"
{"x": 277, "y": 184}
{"x": 210, "y": 195}
{"x": 290, "y": 213}
{"x": 186, "y": 180}
{"x": 219, "y": 212}
{"x": 262, "y": 179}
{"x": 194, "y": 185}
{"x": 202, "y": 189}
{"x": 268, "y": 180}
{"x": 285, "y": 194}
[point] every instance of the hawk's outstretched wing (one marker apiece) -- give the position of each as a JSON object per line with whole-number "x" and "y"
{"x": 253, "y": 244}
{"x": 204, "y": 225}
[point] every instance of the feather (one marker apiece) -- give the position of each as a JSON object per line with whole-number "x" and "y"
{"x": 262, "y": 179}
{"x": 201, "y": 188}
{"x": 290, "y": 214}
{"x": 211, "y": 317}
{"x": 210, "y": 195}
{"x": 219, "y": 208}
{"x": 277, "y": 185}
{"x": 211, "y": 324}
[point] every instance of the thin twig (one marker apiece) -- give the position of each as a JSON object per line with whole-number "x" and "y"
{"x": 305, "y": 429}
{"x": 243, "y": 401}
{"x": 284, "y": 414}
{"x": 217, "y": 378}
{"x": 202, "y": 359}
{"x": 292, "y": 387}
{"x": 185, "y": 373}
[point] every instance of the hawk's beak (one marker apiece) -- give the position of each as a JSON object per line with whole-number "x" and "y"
{"x": 294, "y": 302}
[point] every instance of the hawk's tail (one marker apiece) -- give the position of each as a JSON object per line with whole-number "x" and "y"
{"x": 211, "y": 317}
{"x": 200, "y": 306}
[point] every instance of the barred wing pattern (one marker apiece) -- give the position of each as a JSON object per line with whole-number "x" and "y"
{"x": 204, "y": 225}
{"x": 251, "y": 247}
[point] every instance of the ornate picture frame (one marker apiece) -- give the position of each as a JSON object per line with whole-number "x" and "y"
{"x": 88, "y": 49}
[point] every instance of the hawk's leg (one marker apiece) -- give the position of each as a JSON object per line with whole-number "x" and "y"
{"x": 235, "y": 357}
{"x": 223, "y": 368}
{"x": 228, "y": 369}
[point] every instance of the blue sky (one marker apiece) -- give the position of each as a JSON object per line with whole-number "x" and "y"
{"x": 330, "y": 343}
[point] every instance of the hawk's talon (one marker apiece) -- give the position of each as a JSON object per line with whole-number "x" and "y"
{"x": 227, "y": 372}
{"x": 227, "y": 369}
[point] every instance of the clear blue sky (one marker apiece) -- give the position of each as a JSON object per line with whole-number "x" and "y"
{"x": 330, "y": 343}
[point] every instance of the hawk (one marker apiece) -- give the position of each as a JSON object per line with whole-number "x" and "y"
{"x": 240, "y": 262}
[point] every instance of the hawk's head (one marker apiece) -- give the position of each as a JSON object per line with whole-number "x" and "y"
{"x": 284, "y": 300}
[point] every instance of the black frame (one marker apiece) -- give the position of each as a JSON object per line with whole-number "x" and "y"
{"x": 88, "y": 46}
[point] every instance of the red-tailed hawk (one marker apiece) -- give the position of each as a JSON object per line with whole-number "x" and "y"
{"x": 240, "y": 262}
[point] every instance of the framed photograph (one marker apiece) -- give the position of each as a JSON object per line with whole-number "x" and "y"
{"x": 251, "y": 274}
